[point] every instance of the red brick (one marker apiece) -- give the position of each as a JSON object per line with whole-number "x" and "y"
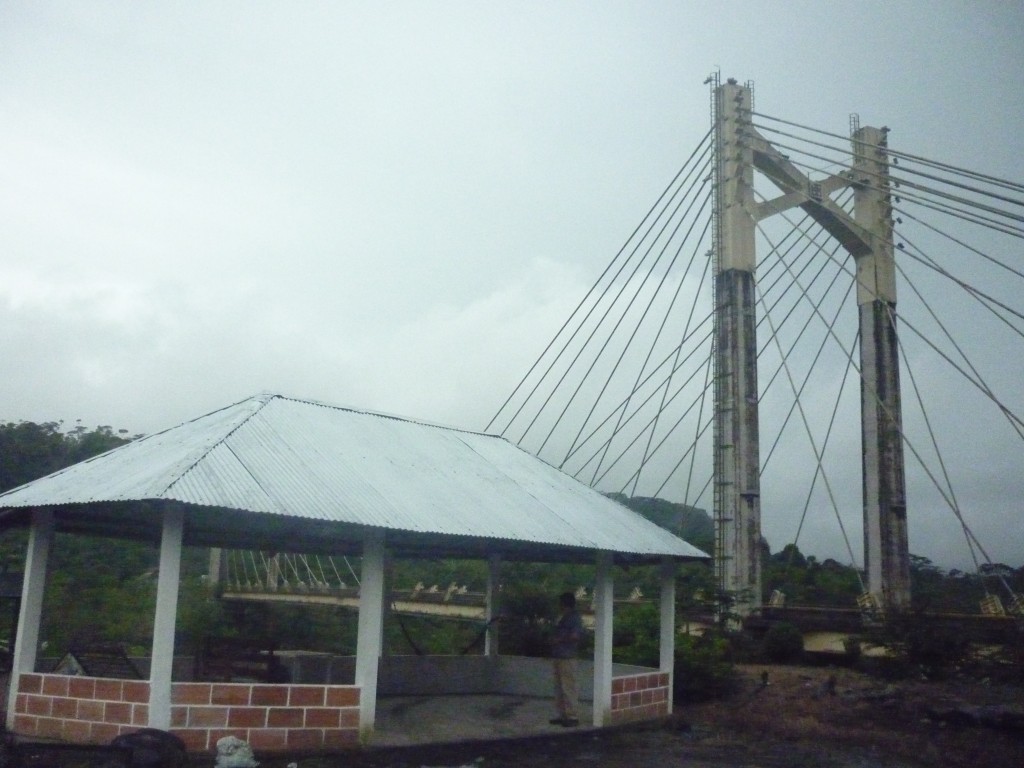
{"x": 342, "y": 697}
{"x": 179, "y": 717}
{"x": 269, "y": 739}
{"x": 21, "y": 702}
{"x": 618, "y": 685}
{"x": 663, "y": 680}
{"x": 247, "y": 717}
{"x": 195, "y": 740}
{"x": 341, "y": 738}
{"x": 82, "y": 687}
{"x": 270, "y": 695}
{"x": 90, "y": 710}
{"x": 67, "y": 708}
{"x": 230, "y": 693}
{"x": 207, "y": 717}
{"x": 306, "y": 696}
{"x": 30, "y": 684}
{"x": 284, "y": 717}
{"x": 350, "y": 718}
{"x": 76, "y": 731}
{"x": 103, "y": 733}
{"x": 117, "y": 712}
{"x": 55, "y": 685}
{"x": 39, "y": 705}
{"x": 49, "y": 728}
{"x": 190, "y": 693}
{"x": 661, "y": 694}
{"x": 136, "y": 691}
{"x": 108, "y": 690}
{"x": 323, "y": 717}
{"x": 305, "y": 738}
{"x": 629, "y": 684}
{"x": 140, "y": 714}
{"x": 634, "y": 699}
{"x": 26, "y": 725}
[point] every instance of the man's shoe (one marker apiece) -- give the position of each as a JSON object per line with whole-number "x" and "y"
{"x": 570, "y": 722}
{"x": 558, "y": 721}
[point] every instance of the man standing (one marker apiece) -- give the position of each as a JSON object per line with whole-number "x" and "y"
{"x": 564, "y": 645}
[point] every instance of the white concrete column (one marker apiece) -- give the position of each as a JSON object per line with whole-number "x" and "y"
{"x": 26, "y": 641}
{"x": 668, "y": 623}
{"x": 216, "y": 574}
{"x": 168, "y": 579}
{"x": 737, "y": 464}
{"x": 493, "y": 606}
{"x": 886, "y": 538}
{"x": 603, "y": 612}
{"x": 371, "y": 622}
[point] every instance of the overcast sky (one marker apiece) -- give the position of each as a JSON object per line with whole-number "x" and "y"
{"x": 395, "y": 205}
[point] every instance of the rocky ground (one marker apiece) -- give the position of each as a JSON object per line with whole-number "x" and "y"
{"x": 802, "y": 717}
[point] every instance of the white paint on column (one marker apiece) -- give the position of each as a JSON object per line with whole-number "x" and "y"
{"x": 493, "y": 607}
{"x": 26, "y": 641}
{"x": 603, "y": 613}
{"x": 164, "y": 621}
{"x": 371, "y": 620}
{"x": 668, "y": 622}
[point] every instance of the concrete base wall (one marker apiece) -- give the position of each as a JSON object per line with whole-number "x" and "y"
{"x": 319, "y": 709}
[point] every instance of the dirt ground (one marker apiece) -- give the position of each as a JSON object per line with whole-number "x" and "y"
{"x": 803, "y": 717}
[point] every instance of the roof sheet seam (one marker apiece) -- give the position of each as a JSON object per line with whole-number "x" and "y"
{"x": 222, "y": 441}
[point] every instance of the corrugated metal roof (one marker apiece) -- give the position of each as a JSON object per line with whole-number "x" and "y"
{"x": 300, "y": 459}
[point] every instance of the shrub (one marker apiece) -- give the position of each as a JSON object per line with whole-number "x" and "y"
{"x": 702, "y": 668}
{"x": 919, "y": 646}
{"x": 782, "y": 643}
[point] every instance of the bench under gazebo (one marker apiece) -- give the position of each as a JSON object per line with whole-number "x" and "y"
{"x": 276, "y": 473}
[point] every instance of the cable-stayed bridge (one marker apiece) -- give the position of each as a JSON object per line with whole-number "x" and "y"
{"x": 808, "y": 329}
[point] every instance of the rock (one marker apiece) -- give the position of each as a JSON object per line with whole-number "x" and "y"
{"x": 1003, "y": 718}
{"x": 153, "y": 748}
{"x": 232, "y": 752}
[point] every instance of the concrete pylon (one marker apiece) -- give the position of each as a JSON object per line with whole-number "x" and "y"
{"x": 886, "y": 545}
{"x": 737, "y": 452}
{"x": 741, "y": 150}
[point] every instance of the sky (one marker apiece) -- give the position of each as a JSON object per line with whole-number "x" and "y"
{"x": 394, "y": 205}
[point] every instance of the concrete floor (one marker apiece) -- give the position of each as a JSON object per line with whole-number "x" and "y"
{"x": 408, "y": 720}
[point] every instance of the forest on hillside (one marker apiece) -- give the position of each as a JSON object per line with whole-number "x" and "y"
{"x": 103, "y": 589}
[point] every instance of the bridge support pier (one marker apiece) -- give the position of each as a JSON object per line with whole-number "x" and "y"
{"x": 737, "y": 452}
{"x": 886, "y": 546}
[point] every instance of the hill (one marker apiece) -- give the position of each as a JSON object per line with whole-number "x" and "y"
{"x": 689, "y": 523}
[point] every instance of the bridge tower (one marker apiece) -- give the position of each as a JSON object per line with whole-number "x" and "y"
{"x": 737, "y": 466}
{"x": 741, "y": 150}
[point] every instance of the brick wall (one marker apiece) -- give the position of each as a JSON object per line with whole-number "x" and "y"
{"x": 89, "y": 710}
{"x": 269, "y": 717}
{"x": 82, "y": 710}
{"x": 640, "y": 697}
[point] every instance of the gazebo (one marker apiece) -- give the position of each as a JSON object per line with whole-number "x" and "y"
{"x": 325, "y": 480}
